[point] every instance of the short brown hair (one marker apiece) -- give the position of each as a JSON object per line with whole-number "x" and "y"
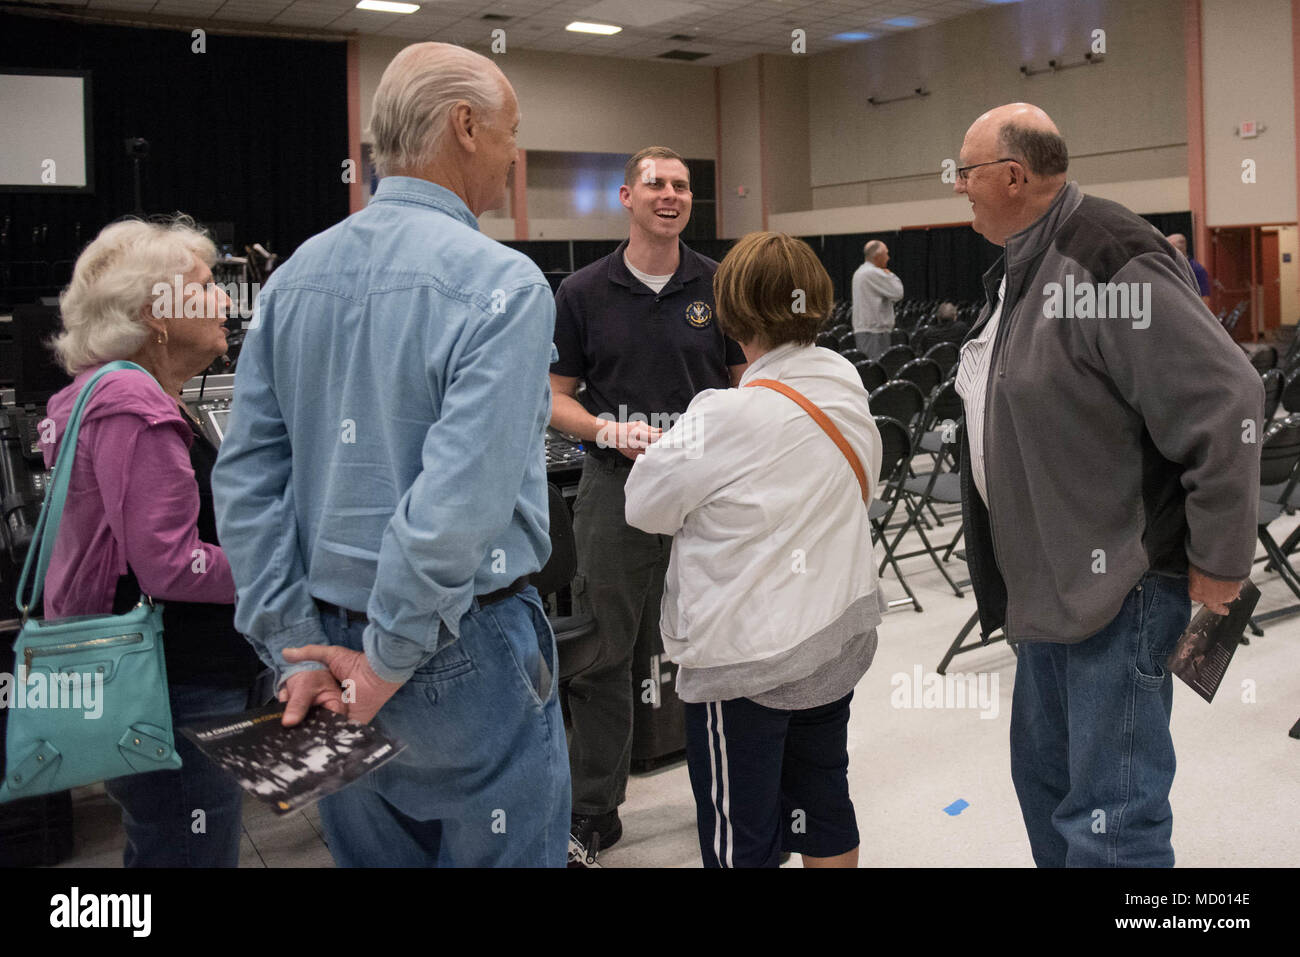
{"x": 633, "y": 168}
{"x": 1041, "y": 151}
{"x": 771, "y": 287}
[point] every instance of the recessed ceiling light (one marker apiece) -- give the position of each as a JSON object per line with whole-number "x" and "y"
{"x": 904, "y": 22}
{"x": 385, "y": 6}
{"x": 853, "y": 37}
{"x": 604, "y": 29}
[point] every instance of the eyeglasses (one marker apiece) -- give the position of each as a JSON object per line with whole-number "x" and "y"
{"x": 963, "y": 172}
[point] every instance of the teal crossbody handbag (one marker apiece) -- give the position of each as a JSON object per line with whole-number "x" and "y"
{"x": 88, "y": 698}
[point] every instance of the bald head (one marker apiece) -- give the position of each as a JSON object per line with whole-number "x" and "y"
{"x": 1025, "y": 133}
{"x": 1021, "y": 162}
{"x": 1178, "y": 241}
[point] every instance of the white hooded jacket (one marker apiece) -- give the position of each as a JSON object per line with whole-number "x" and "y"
{"x": 772, "y": 543}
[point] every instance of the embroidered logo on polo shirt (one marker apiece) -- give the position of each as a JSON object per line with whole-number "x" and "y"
{"x": 698, "y": 314}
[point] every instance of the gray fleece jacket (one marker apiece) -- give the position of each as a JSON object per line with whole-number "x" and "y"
{"x": 1112, "y": 446}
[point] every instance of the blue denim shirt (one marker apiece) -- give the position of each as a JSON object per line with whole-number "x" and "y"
{"x": 386, "y": 444}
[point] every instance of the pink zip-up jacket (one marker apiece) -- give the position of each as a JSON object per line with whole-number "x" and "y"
{"x": 132, "y": 498}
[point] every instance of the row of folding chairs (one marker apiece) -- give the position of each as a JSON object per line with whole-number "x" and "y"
{"x": 893, "y": 361}
{"x": 1280, "y": 390}
{"x": 1279, "y": 494}
{"x": 919, "y": 426}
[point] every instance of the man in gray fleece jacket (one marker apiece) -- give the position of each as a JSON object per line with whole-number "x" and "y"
{"x": 1110, "y": 473}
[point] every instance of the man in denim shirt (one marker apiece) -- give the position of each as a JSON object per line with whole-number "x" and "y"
{"x": 382, "y": 488}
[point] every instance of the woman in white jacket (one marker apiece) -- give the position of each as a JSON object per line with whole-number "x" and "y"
{"x": 771, "y": 602}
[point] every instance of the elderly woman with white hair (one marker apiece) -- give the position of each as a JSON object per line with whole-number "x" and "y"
{"x": 139, "y": 514}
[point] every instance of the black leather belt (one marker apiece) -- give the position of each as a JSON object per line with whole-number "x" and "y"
{"x": 514, "y": 588}
{"x": 492, "y": 597}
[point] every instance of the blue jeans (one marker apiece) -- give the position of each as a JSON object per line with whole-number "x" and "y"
{"x": 1091, "y": 755}
{"x": 484, "y": 778}
{"x": 158, "y": 808}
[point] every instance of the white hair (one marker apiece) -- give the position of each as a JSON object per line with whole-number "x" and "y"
{"x": 113, "y": 279}
{"x": 425, "y": 81}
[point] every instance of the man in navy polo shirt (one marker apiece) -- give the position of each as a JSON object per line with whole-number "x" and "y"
{"x": 638, "y": 327}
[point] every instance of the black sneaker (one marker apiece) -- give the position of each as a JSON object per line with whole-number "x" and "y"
{"x": 589, "y": 834}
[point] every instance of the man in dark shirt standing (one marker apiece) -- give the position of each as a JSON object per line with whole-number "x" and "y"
{"x": 638, "y": 327}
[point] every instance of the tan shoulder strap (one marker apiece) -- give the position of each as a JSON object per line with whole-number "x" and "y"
{"x": 821, "y": 419}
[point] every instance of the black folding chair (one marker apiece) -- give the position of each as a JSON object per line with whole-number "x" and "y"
{"x": 848, "y": 340}
{"x": 895, "y": 456}
{"x": 895, "y": 357}
{"x": 1273, "y": 385}
{"x": 1264, "y": 359}
{"x": 947, "y": 354}
{"x": 872, "y": 375}
{"x": 576, "y": 641}
{"x": 939, "y": 486}
{"x": 899, "y": 400}
{"x": 1279, "y": 456}
{"x": 924, "y": 372}
{"x": 1291, "y": 392}
{"x": 943, "y": 411}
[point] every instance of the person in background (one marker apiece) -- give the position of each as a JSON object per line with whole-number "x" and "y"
{"x": 875, "y": 290}
{"x": 771, "y": 602}
{"x": 1179, "y": 242}
{"x": 382, "y": 487}
{"x": 139, "y": 515}
{"x": 1088, "y": 562}
{"x": 945, "y": 328}
{"x": 638, "y": 327}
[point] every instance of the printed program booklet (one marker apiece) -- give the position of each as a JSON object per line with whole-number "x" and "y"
{"x": 1202, "y": 654}
{"x": 290, "y": 768}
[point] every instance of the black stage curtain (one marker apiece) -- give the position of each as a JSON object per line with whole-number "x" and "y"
{"x": 251, "y": 132}
{"x": 550, "y": 255}
{"x": 937, "y": 263}
{"x": 1170, "y": 223}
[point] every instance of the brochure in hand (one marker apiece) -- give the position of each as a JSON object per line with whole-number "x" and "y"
{"x": 1202, "y": 654}
{"x": 290, "y": 768}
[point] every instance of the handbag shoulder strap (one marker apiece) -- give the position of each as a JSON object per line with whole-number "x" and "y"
{"x": 822, "y": 420}
{"x": 47, "y": 526}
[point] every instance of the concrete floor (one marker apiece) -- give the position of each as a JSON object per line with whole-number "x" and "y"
{"x": 1234, "y": 795}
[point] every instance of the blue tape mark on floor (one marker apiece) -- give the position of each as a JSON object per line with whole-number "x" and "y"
{"x": 955, "y": 808}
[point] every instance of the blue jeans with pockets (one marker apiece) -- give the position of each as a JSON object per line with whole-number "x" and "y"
{"x": 1092, "y": 758}
{"x": 484, "y": 778}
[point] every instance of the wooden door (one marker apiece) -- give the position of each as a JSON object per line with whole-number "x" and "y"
{"x": 1271, "y": 280}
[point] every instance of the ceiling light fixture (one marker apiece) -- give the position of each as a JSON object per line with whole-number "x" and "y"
{"x": 386, "y": 6}
{"x": 604, "y": 29}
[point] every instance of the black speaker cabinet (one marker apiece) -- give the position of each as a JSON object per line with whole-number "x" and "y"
{"x": 658, "y": 715}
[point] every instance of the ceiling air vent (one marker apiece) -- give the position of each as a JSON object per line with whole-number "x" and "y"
{"x": 683, "y": 55}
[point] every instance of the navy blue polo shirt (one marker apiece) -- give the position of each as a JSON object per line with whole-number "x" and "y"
{"x": 641, "y": 351}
